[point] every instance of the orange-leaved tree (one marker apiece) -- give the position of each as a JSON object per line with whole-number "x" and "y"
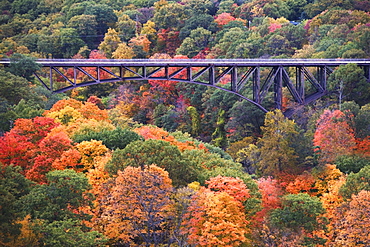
{"x": 271, "y": 192}
{"x": 100, "y": 187}
{"x": 137, "y": 207}
{"x": 325, "y": 176}
{"x": 353, "y": 227}
{"x": 235, "y": 187}
{"x": 69, "y": 111}
{"x": 216, "y": 216}
{"x": 166, "y": 89}
{"x": 26, "y": 141}
{"x": 333, "y": 136}
{"x": 49, "y": 149}
{"x": 151, "y": 132}
{"x": 34, "y": 129}
{"x": 15, "y": 150}
{"x": 331, "y": 201}
{"x": 224, "y": 18}
{"x": 215, "y": 219}
{"x": 90, "y": 151}
{"x": 303, "y": 183}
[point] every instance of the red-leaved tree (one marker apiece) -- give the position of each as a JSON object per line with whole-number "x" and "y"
{"x": 333, "y": 136}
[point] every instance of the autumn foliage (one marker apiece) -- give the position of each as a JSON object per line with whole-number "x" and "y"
{"x": 156, "y": 133}
{"x": 333, "y": 136}
{"x": 137, "y": 192}
{"x": 215, "y": 218}
{"x": 159, "y": 157}
{"x": 138, "y": 205}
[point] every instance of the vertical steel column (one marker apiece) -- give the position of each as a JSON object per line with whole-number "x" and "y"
{"x": 234, "y": 78}
{"x": 144, "y": 71}
{"x": 322, "y": 77}
{"x": 300, "y": 84}
{"x": 121, "y": 74}
{"x": 51, "y": 78}
{"x": 257, "y": 84}
{"x": 278, "y": 86}
{"x": 74, "y": 76}
{"x": 189, "y": 74}
{"x": 212, "y": 75}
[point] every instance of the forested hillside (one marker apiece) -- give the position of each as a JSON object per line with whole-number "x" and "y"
{"x": 164, "y": 163}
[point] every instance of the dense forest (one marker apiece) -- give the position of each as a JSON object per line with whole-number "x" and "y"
{"x": 165, "y": 163}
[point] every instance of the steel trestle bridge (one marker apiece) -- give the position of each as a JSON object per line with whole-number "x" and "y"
{"x": 305, "y": 79}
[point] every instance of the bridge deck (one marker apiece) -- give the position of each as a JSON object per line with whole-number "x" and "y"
{"x": 198, "y": 62}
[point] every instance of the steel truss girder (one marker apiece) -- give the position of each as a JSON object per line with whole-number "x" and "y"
{"x": 245, "y": 76}
{"x": 241, "y": 79}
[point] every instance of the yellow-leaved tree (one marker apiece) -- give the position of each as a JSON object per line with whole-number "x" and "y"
{"x": 216, "y": 215}
{"x": 353, "y": 228}
{"x": 137, "y": 209}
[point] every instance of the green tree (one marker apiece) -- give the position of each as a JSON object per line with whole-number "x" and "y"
{"x": 86, "y": 27}
{"x": 225, "y": 7}
{"x": 314, "y": 8}
{"x": 171, "y": 15}
{"x": 55, "y": 207}
{"x": 7, "y": 116}
{"x": 198, "y": 21}
{"x": 196, "y": 42}
{"x": 48, "y": 43}
{"x": 70, "y": 42}
{"x": 166, "y": 117}
{"x": 23, "y": 65}
{"x": 360, "y": 37}
{"x": 277, "y": 45}
{"x": 68, "y": 232}
{"x": 27, "y": 109}
{"x": 350, "y": 84}
{"x": 356, "y": 182}
{"x": 110, "y": 43}
{"x": 276, "y": 145}
{"x": 14, "y": 88}
{"x": 214, "y": 100}
{"x": 60, "y": 198}
{"x": 24, "y": 109}
{"x": 351, "y": 163}
{"x": 112, "y": 139}
{"x": 198, "y": 7}
{"x": 219, "y": 138}
{"x": 195, "y": 120}
{"x": 276, "y": 9}
{"x": 103, "y": 14}
{"x": 13, "y": 186}
{"x": 245, "y": 120}
{"x": 362, "y": 122}
{"x": 141, "y": 153}
{"x": 295, "y": 34}
{"x": 300, "y": 214}
{"x": 126, "y": 26}
{"x": 296, "y": 9}
{"x": 24, "y": 6}
{"x": 230, "y": 39}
